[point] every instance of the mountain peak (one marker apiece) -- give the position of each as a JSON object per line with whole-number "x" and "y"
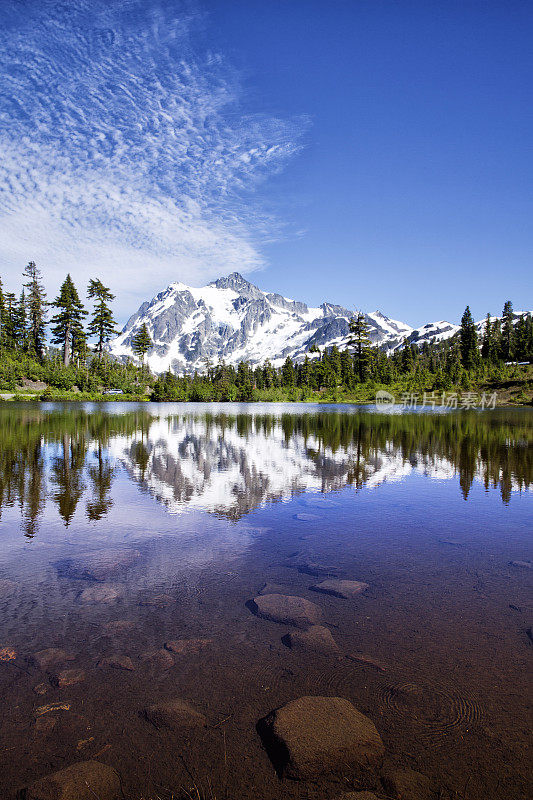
{"x": 239, "y": 284}
{"x": 233, "y": 320}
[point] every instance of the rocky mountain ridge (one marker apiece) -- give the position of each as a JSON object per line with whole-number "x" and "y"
{"x": 233, "y": 320}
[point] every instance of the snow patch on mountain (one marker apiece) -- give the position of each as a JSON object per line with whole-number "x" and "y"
{"x": 232, "y": 320}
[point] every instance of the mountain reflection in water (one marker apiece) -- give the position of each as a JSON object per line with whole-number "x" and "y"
{"x": 229, "y": 462}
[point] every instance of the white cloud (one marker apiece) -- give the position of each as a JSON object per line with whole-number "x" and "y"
{"x": 125, "y": 153}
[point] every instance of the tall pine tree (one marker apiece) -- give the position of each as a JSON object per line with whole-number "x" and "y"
{"x": 489, "y": 345}
{"x": 2, "y": 315}
{"x": 36, "y": 310}
{"x": 10, "y": 320}
{"x": 141, "y": 343}
{"x": 507, "y": 332}
{"x": 468, "y": 340}
{"x": 288, "y": 374}
{"x": 20, "y": 323}
{"x": 67, "y": 325}
{"x": 102, "y": 324}
{"x": 360, "y": 341}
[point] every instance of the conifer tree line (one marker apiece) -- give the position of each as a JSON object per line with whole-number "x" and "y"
{"x": 23, "y": 322}
{"x": 460, "y": 361}
{"x": 26, "y": 320}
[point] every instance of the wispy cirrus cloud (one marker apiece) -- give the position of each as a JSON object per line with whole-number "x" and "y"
{"x": 125, "y": 150}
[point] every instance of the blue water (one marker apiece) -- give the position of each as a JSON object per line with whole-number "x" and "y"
{"x": 208, "y": 503}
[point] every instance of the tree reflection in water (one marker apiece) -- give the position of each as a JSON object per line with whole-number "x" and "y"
{"x": 232, "y": 463}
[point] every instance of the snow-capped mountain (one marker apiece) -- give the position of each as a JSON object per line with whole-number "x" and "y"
{"x": 234, "y": 320}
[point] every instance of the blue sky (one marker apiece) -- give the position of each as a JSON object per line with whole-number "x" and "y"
{"x": 369, "y": 152}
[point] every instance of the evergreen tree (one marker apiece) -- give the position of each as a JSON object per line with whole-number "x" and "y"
{"x": 335, "y": 363}
{"x": 21, "y": 322}
{"x": 507, "y": 332}
{"x": 269, "y": 374}
{"x": 2, "y": 314}
{"x": 408, "y": 357}
{"x": 10, "y": 320}
{"x": 360, "y": 340}
{"x": 36, "y": 310}
{"x": 141, "y": 343}
{"x": 288, "y": 374}
{"x": 304, "y": 375}
{"x": 468, "y": 340}
{"x": 487, "y": 344}
{"x": 497, "y": 339}
{"x": 67, "y": 325}
{"x": 522, "y": 338}
{"x": 80, "y": 348}
{"x": 453, "y": 361}
{"x": 102, "y": 324}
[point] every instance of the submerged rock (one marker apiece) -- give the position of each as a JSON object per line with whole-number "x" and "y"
{"x": 315, "y": 736}
{"x": 100, "y": 594}
{"x": 340, "y": 588}
{"x": 522, "y": 564}
{"x": 158, "y": 659}
{"x": 370, "y": 661}
{"x": 83, "y": 781}
{"x": 69, "y": 677}
{"x": 286, "y": 609}
{"x": 117, "y": 662}
{"x": 406, "y": 784}
{"x": 97, "y": 566}
{"x": 183, "y": 647}
{"x": 44, "y": 725}
{"x": 305, "y": 517}
{"x": 174, "y": 714}
{"x": 316, "y": 639}
{"x": 51, "y": 657}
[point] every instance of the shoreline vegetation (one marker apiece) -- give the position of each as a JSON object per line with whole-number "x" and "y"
{"x": 494, "y": 369}
{"x": 516, "y": 389}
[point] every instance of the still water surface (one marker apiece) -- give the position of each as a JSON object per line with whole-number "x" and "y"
{"x": 125, "y": 527}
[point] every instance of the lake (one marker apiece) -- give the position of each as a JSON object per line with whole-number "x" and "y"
{"x": 135, "y": 537}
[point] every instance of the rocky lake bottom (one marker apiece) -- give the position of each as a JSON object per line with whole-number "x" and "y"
{"x": 264, "y": 602}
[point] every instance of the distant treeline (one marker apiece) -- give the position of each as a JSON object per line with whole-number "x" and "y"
{"x": 463, "y": 362}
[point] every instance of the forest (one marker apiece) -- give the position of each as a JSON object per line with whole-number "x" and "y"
{"x": 69, "y": 367}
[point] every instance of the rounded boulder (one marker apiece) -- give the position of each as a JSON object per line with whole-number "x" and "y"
{"x": 83, "y": 781}
{"x": 287, "y": 610}
{"x": 315, "y": 736}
